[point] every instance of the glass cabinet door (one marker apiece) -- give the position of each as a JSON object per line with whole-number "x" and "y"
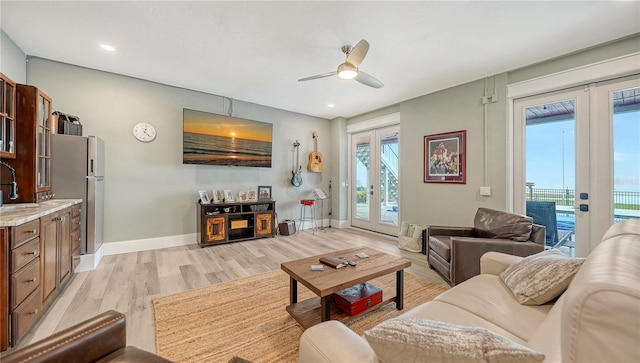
{"x": 7, "y": 117}
{"x": 44, "y": 143}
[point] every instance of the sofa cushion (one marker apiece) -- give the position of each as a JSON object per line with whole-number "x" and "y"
{"x": 490, "y": 223}
{"x": 441, "y": 245}
{"x": 407, "y": 339}
{"x": 488, "y": 298}
{"x": 540, "y": 278}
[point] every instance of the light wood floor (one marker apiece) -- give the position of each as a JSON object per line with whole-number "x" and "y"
{"x": 129, "y": 282}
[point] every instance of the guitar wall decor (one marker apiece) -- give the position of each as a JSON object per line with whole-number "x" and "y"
{"x": 315, "y": 157}
{"x": 296, "y": 174}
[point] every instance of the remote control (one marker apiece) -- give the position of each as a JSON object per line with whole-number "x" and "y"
{"x": 350, "y": 262}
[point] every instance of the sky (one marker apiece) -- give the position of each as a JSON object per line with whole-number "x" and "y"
{"x": 545, "y": 153}
{"x": 220, "y": 125}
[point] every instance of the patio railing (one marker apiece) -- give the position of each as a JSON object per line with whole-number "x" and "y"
{"x": 623, "y": 200}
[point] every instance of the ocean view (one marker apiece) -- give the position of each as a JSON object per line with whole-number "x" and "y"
{"x": 221, "y": 150}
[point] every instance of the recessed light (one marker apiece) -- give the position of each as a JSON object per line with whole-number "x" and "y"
{"x": 107, "y": 47}
{"x": 331, "y": 105}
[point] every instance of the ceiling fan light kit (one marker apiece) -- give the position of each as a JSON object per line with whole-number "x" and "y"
{"x": 349, "y": 69}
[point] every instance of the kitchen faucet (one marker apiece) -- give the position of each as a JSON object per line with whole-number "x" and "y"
{"x": 13, "y": 193}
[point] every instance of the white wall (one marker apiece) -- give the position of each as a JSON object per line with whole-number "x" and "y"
{"x": 149, "y": 192}
{"x": 12, "y": 59}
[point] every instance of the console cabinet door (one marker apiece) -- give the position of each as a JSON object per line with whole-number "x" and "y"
{"x": 49, "y": 256}
{"x": 215, "y": 229}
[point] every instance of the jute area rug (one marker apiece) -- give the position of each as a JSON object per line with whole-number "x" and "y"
{"x": 247, "y": 318}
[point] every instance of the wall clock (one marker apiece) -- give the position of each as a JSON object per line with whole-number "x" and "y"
{"x": 144, "y": 132}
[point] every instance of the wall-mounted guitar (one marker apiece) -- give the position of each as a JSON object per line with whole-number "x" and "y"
{"x": 296, "y": 174}
{"x": 315, "y": 157}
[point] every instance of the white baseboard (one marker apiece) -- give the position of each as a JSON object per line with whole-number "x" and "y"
{"x": 339, "y": 224}
{"x": 90, "y": 261}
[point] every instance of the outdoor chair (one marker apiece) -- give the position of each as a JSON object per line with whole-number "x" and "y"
{"x": 544, "y": 213}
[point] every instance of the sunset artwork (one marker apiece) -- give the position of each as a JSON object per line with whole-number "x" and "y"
{"x": 212, "y": 139}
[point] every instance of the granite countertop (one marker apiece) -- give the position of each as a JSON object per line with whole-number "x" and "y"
{"x": 12, "y": 215}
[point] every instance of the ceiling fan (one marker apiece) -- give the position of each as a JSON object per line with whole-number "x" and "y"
{"x": 349, "y": 69}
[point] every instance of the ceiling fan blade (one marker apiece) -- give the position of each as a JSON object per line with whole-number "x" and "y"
{"x": 358, "y": 53}
{"x": 368, "y": 80}
{"x": 328, "y": 74}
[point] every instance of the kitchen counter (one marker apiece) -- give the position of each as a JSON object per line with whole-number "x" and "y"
{"x": 12, "y": 215}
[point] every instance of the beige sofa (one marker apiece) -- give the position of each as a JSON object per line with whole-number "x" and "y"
{"x": 597, "y": 319}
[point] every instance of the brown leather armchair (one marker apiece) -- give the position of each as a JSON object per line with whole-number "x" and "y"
{"x": 455, "y": 251}
{"x": 99, "y": 339}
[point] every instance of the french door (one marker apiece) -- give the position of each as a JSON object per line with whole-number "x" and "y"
{"x": 375, "y": 180}
{"x": 578, "y": 149}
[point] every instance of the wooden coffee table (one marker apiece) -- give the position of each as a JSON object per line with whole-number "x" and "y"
{"x": 324, "y": 283}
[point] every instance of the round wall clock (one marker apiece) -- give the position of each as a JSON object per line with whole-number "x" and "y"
{"x": 144, "y": 132}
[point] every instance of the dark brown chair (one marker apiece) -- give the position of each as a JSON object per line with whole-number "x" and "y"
{"x": 455, "y": 251}
{"x": 99, "y": 339}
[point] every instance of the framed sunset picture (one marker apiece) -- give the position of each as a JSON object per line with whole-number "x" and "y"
{"x": 213, "y": 139}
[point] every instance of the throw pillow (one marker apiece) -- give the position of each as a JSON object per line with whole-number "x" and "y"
{"x": 540, "y": 278}
{"x": 489, "y": 223}
{"x": 410, "y": 237}
{"x": 408, "y": 339}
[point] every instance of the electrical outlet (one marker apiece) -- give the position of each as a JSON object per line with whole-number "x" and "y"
{"x": 485, "y": 191}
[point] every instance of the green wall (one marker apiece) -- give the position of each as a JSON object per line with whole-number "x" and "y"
{"x": 148, "y": 191}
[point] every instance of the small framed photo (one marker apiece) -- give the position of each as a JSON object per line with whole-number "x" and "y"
{"x": 216, "y": 196}
{"x": 242, "y": 196}
{"x": 204, "y": 197}
{"x": 228, "y": 196}
{"x": 264, "y": 192}
{"x": 252, "y": 195}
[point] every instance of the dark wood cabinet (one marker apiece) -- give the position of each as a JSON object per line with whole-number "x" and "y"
{"x": 49, "y": 256}
{"x": 76, "y": 223}
{"x": 64, "y": 247}
{"x": 7, "y": 117}
{"x": 34, "y": 126}
{"x": 4, "y": 288}
{"x": 230, "y": 222}
{"x": 37, "y": 263}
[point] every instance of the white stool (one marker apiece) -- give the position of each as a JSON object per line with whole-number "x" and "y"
{"x": 309, "y": 204}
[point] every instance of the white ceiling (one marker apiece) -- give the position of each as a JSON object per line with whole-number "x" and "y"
{"x": 257, "y": 51}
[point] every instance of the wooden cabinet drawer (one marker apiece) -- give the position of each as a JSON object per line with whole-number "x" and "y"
{"x": 75, "y": 211}
{"x": 24, "y": 282}
{"x": 75, "y": 240}
{"x": 26, "y": 314}
{"x": 25, "y": 232}
{"x": 24, "y": 254}
{"x": 75, "y": 223}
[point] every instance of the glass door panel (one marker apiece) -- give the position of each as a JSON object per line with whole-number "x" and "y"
{"x": 361, "y": 181}
{"x": 625, "y": 104}
{"x": 550, "y": 170}
{"x": 389, "y": 177}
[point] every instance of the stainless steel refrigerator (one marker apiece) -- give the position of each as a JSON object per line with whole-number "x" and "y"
{"x": 77, "y": 171}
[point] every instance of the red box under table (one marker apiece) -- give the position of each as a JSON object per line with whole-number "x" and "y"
{"x": 356, "y": 299}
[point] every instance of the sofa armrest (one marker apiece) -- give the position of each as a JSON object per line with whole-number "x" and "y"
{"x": 493, "y": 263}
{"x": 332, "y": 341}
{"x": 466, "y": 253}
{"x": 91, "y": 339}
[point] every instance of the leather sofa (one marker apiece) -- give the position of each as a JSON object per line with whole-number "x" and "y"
{"x": 455, "y": 251}
{"x": 596, "y": 319}
{"x": 99, "y": 339}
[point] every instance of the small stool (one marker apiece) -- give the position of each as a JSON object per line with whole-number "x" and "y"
{"x": 308, "y": 204}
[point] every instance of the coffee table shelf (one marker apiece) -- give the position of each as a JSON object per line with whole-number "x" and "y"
{"x": 307, "y": 313}
{"x": 378, "y": 269}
